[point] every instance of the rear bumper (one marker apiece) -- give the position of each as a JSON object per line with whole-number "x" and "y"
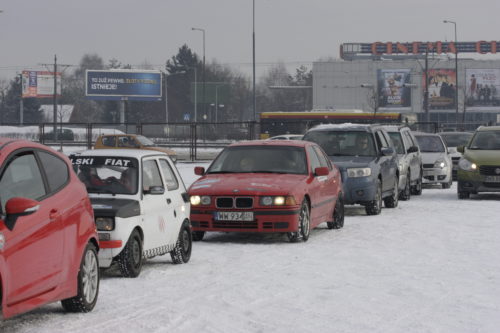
{"x": 267, "y": 221}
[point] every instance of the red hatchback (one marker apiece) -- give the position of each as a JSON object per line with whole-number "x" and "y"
{"x": 48, "y": 239}
{"x": 267, "y": 186}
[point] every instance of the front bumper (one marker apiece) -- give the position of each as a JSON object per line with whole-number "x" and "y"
{"x": 474, "y": 182}
{"x": 265, "y": 220}
{"x": 436, "y": 175}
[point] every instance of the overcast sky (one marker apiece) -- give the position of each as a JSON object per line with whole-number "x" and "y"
{"x": 292, "y": 31}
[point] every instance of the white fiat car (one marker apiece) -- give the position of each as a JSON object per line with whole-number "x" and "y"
{"x": 140, "y": 204}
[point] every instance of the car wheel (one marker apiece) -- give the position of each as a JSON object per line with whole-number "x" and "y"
{"x": 130, "y": 259}
{"x": 417, "y": 188}
{"x": 392, "y": 200}
{"x": 463, "y": 194}
{"x": 446, "y": 185}
{"x": 406, "y": 193}
{"x": 88, "y": 283}
{"x": 182, "y": 251}
{"x": 198, "y": 235}
{"x": 338, "y": 214}
{"x": 375, "y": 207}
{"x": 304, "y": 227}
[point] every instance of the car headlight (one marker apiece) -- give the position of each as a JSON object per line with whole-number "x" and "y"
{"x": 105, "y": 223}
{"x": 440, "y": 164}
{"x": 200, "y": 200}
{"x": 358, "y": 172}
{"x": 467, "y": 165}
{"x": 279, "y": 200}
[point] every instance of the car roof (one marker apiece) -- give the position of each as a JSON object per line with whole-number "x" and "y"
{"x": 290, "y": 143}
{"x": 121, "y": 134}
{"x": 395, "y": 128}
{"x": 454, "y": 133}
{"x": 488, "y": 128}
{"x": 19, "y": 143}
{"x": 425, "y": 134}
{"x": 345, "y": 127}
{"x": 137, "y": 153}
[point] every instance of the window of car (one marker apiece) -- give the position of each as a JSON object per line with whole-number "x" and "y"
{"x": 313, "y": 157}
{"x": 430, "y": 144}
{"x": 381, "y": 140}
{"x": 127, "y": 142}
{"x": 397, "y": 140}
{"x": 109, "y": 141}
{"x": 150, "y": 175}
{"x": 168, "y": 173}
{"x": 55, "y": 169}
{"x": 343, "y": 143}
{"x": 410, "y": 138}
{"x": 486, "y": 140}
{"x": 144, "y": 141}
{"x": 21, "y": 178}
{"x": 323, "y": 160}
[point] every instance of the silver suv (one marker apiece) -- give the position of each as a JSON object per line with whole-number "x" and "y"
{"x": 409, "y": 160}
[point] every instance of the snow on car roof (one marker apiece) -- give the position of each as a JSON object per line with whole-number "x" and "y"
{"x": 137, "y": 153}
{"x": 294, "y": 143}
{"x": 340, "y": 126}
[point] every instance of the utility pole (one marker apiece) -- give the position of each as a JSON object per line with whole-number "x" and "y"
{"x": 426, "y": 92}
{"x": 21, "y": 101}
{"x": 253, "y": 64}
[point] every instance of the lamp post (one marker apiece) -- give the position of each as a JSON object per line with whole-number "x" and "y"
{"x": 204, "y": 82}
{"x": 253, "y": 62}
{"x": 456, "y": 68}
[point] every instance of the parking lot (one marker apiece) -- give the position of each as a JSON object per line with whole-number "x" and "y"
{"x": 430, "y": 265}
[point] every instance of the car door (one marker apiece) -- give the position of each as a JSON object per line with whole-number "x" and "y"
{"x": 329, "y": 189}
{"x": 155, "y": 207}
{"x": 33, "y": 250}
{"x": 175, "y": 202}
{"x": 415, "y": 158}
{"x": 385, "y": 162}
{"x": 315, "y": 187}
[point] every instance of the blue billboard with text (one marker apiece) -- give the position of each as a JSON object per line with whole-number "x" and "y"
{"x": 123, "y": 85}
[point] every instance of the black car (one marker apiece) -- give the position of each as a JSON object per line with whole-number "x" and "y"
{"x": 367, "y": 160}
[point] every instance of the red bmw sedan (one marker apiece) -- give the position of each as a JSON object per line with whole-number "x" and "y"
{"x": 267, "y": 186}
{"x": 48, "y": 238}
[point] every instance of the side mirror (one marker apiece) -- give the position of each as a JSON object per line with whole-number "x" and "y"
{"x": 412, "y": 149}
{"x": 17, "y": 207}
{"x": 461, "y": 149}
{"x": 387, "y": 151}
{"x": 321, "y": 171}
{"x": 155, "y": 190}
{"x": 200, "y": 171}
{"x": 185, "y": 196}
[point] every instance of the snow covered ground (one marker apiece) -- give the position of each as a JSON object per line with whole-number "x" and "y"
{"x": 430, "y": 265}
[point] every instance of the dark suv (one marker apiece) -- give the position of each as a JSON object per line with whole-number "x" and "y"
{"x": 367, "y": 160}
{"x": 409, "y": 160}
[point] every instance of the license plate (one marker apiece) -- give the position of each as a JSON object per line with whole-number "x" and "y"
{"x": 233, "y": 216}
{"x": 492, "y": 179}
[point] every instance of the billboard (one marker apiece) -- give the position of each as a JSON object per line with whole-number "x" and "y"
{"x": 482, "y": 87}
{"x": 123, "y": 85}
{"x": 391, "y": 90}
{"x": 442, "y": 88}
{"x": 40, "y": 84}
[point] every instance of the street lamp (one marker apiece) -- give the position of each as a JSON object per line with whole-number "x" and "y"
{"x": 203, "y": 94}
{"x": 456, "y": 68}
{"x": 253, "y": 62}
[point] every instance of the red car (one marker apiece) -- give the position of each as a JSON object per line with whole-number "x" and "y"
{"x": 48, "y": 238}
{"x": 267, "y": 186}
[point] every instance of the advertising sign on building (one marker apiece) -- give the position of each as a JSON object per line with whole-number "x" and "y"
{"x": 39, "y": 84}
{"x": 442, "y": 88}
{"x": 391, "y": 90}
{"x": 482, "y": 87}
{"x": 123, "y": 85}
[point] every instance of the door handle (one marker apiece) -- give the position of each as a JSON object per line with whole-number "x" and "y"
{"x": 169, "y": 201}
{"x": 54, "y": 214}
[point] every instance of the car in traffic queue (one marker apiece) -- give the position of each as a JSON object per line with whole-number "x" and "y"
{"x": 436, "y": 160}
{"x": 48, "y": 239}
{"x": 140, "y": 205}
{"x": 479, "y": 167}
{"x": 131, "y": 141}
{"x": 367, "y": 160}
{"x": 267, "y": 186}
{"x": 453, "y": 140}
{"x": 409, "y": 160}
{"x": 287, "y": 137}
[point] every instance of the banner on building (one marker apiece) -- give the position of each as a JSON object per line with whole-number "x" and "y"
{"x": 442, "y": 88}
{"x": 123, "y": 85}
{"x": 40, "y": 84}
{"x": 392, "y": 91}
{"x": 482, "y": 87}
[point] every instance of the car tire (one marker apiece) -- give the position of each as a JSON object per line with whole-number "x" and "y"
{"x": 463, "y": 195}
{"x": 417, "y": 188}
{"x": 447, "y": 185}
{"x": 338, "y": 214}
{"x": 198, "y": 235}
{"x": 406, "y": 193}
{"x": 88, "y": 283}
{"x": 374, "y": 207}
{"x": 130, "y": 259}
{"x": 304, "y": 225}
{"x": 182, "y": 251}
{"x": 393, "y": 200}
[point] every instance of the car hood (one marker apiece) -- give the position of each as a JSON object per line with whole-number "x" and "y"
{"x": 484, "y": 157}
{"x": 430, "y": 158}
{"x": 343, "y": 162}
{"x": 246, "y": 184}
{"x": 115, "y": 207}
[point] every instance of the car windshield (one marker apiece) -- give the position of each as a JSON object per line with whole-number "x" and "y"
{"x": 430, "y": 144}
{"x": 145, "y": 141}
{"x": 343, "y": 143}
{"x": 260, "y": 159}
{"x": 398, "y": 142}
{"x": 112, "y": 175}
{"x": 486, "y": 140}
{"x": 456, "y": 139}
